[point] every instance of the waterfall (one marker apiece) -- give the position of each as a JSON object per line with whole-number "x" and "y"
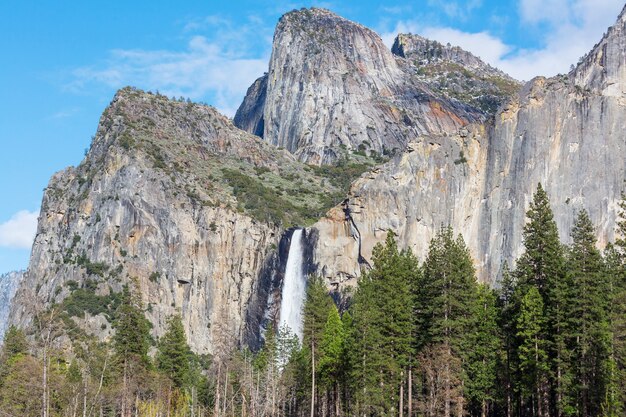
{"x": 294, "y": 286}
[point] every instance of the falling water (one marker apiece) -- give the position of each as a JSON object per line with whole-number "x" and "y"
{"x": 294, "y": 287}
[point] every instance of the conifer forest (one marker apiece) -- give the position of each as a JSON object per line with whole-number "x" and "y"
{"x": 413, "y": 339}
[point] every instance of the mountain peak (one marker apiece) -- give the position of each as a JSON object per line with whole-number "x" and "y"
{"x": 362, "y": 98}
{"x": 453, "y": 72}
{"x": 424, "y": 51}
{"x": 603, "y": 69}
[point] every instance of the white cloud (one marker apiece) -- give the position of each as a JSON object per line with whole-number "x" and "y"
{"x": 19, "y": 231}
{"x": 535, "y": 11}
{"x": 221, "y": 68}
{"x": 482, "y": 44}
{"x": 571, "y": 29}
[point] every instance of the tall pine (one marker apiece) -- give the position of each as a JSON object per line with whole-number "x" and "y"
{"x": 173, "y": 356}
{"x": 542, "y": 266}
{"x": 615, "y": 401}
{"x": 132, "y": 329}
{"x": 383, "y": 330}
{"x": 591, "y": 337}
{"x": 445, "y": 304}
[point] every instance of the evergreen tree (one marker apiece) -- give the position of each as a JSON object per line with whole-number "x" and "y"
{"x": 445, "y": 303}
{"x": 532, "y": 351}
{"x": 615, "y": 398}
{"x": 507, "y": 363}
{"x": 542, "y": 266}
{"x": 317, "y": 306}
{"x": 591, "y": 336}
{"x": 173, "y": 352}
{"x": 14, "y": 347}
{"x": 542, "y": 263}
{"x": 448, "y": 291}
{"x": 331, "y": 356}
{"x": 482, "y": 345}
{"x": 615, "y": 260}
{"x": 14, "y": 343}
{"x": 132, "y": 331}
{"x": 383, "y": 330}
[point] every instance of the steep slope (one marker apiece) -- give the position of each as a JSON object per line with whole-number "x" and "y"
{"x": 172, "y": 195}
{"x": 332, "y": 84}
{"x": 8, "y": 285}
{"x": 455, "y": 73}
{"x": 565, "y": 132}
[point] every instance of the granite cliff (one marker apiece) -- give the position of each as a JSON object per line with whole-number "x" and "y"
{"x": 333, "y": 84}
{"x": 478, "y": 176}
{"x": 171, "y": 197}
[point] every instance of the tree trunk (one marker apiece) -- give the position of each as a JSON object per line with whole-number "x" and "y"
{"x": 225, "y": 392}
{"x": 216, "y": 406}
{"x": 85, "y": 397}
{"x": 45, "y": 381}
{"x": 410, "y": 392}
{"x": 401, "y": 409}
{"x": 313, "y": 379}
{"x": 124, "y": 389}
{"x": 447, "y": 399}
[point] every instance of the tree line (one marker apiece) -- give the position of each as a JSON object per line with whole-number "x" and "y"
{"x": 416, "y": 339}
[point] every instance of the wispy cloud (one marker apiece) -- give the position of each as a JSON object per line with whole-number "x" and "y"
{"x": 63, "y": 114}
{"x": 217, "y": 67}
{"x": 456, "y": 9}
{"x": 19, "y": 231}
{"x": 571, "y": 29}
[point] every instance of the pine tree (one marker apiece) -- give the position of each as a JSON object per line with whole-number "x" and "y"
{"x": 507, "y": 364}
{"x": 130, "y": 345}
{"x": 542, "y": 266}
{"x": 331, "y": 356}
{"x": 173, "y": 352}
{"x": 445, "y": 303}
{"x": 383, "y": 330}
{"x": 482, "y": 345}
{"x": 14, "y": 343}
{"x": 132, "y": 337}
{"x": 615, "y": 260}
{"x": 448, "y": 290}
{"x": 615, "y": 399}
{"x": 591, "y": 338}
{"x": 317, "y": 306}
{"x": 532, "y": 351}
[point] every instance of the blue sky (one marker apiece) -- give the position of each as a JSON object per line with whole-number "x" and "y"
{"x": 64, "y": 60}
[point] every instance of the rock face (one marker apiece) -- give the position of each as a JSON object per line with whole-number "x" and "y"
{"x": 166, "y": 197}
{"x": 565, "y": 132}
{"x": 8, "y": 285}
{"x": 249, "y": 116}
{"x": 425, "y": 51}
{"x": 456, "y": 73}
{"x": 332, "y": 85}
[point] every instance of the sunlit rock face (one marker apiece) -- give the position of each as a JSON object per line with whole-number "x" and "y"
{"x": 332, "y": 84}
{"x": 478, "y": 174}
